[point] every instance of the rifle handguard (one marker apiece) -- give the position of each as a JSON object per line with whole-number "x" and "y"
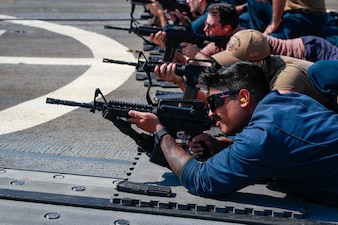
{"x": 108, "y": 114}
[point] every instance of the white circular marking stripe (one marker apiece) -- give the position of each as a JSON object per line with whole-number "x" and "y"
{"x": 49, "y": 61}
{"x": 107, "y": 77}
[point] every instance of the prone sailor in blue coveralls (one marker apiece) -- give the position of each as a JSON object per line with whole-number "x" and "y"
{"x": 280, "y": 135}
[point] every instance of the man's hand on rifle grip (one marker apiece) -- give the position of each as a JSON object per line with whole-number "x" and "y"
{"x": 159, "y": 38}
{"x": 166, "y": 72}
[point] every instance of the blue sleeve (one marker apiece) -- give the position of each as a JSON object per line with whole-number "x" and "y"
{"x": 241, "y": 164}
{"x": 197, "y": 25}
{"x": 290, "y": 137}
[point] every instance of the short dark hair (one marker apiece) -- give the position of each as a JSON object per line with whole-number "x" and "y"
{"x": 227, "y": 14}
{"x": 240, "y": 75}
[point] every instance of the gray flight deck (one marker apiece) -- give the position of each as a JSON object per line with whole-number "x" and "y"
{"x": 61, "y": 165}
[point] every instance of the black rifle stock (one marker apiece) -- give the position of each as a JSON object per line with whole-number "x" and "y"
{"x": 191, "y": 120}
{"x": 175, "y": 35}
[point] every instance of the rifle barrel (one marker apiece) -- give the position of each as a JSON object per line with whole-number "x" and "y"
{"x": 105, "y": 60}
{"x": 141, "y": 1}
{"x": 69, "y": 103}
{"x": 115, "y": 28}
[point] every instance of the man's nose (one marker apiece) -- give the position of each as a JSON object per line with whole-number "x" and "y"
{"x": 211, "y": 113}
{"x": 205, "y": 29}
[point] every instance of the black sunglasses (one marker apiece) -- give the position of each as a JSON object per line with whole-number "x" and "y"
{"x": 216, "y": 100}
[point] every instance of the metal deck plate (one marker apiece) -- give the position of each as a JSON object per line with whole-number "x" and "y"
{"x": 36, "y": 196}
{"x": 255, "y": 201}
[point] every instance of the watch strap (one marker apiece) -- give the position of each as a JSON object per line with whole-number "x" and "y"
{"x": 159, "y": 134}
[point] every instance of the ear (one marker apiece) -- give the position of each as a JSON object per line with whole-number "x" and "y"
{"x": 244, "y": 97}
{"x": 228, "y": 28}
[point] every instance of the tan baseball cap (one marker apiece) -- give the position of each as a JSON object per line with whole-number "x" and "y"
{"x": 244, "y": 45}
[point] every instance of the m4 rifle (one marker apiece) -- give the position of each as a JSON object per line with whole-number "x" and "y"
{"x": 190, "y": 71}
{"x": 174, "y": 36}
{"x": 179, "y": 120}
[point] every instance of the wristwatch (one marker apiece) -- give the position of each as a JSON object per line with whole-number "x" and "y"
{"x": 158, "y": 135}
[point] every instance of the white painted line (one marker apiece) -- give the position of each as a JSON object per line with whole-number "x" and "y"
{"x": 2, "y": 32}
{"x": 50, "y": 61}
{"x": 107, "y": 77}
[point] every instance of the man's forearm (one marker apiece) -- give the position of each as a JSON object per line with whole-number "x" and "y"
{"x": 277, "y": 10}
{"x": 202, "y": 56}
{"x": 163, "y": 20}
{"x": 175, "y": 155}
{"x": 179, "y": 58}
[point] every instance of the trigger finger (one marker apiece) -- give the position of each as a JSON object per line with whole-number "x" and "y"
{"x": 163, "y": 68}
